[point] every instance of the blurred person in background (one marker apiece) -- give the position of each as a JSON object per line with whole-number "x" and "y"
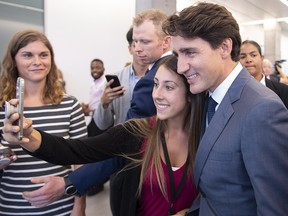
{"x": 251, "y": 58}
{"x": 280, "y": 73}
{"x": 268, "y": 70}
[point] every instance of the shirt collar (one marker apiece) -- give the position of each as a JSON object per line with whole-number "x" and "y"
{"x": 131, "y": 70}
{"x": 263, "y": 81}
{"x": 222, "y": 89}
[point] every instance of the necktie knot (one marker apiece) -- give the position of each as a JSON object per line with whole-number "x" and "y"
{"x": 211, "y": 108}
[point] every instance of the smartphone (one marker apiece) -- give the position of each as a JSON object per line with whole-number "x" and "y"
{"x": 20, "y": 97}
{"x": 5, "y": 153}
{"x": 10, "y": 109}
{"x": 115, "y": 78}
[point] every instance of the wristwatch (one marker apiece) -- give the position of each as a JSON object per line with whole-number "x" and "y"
{"x": 70, "y": 189}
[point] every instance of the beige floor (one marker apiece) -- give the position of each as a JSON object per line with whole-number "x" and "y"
{"x": 98, "y": 205}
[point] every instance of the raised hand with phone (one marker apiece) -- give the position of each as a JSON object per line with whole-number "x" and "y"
{"x": 7, "y": 156}
{"x": 113, "y": 90}
{"x": 18, "y": 108}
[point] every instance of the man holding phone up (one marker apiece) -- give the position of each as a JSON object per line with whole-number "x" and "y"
{"x": 112, "y": 109}
{"x": 115, "y": 101}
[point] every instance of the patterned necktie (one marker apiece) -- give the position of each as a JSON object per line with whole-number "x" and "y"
{"x": 211, "y": 108}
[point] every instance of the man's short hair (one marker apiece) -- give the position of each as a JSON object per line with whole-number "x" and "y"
{"x": 129, "y": 36}
{"x": 154, "y": 15}
{"x": 210, "y": 22}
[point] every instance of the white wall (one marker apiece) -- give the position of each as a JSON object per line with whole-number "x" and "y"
{"x": 83, "y": 30}
{"x": 8, "y": 29}
{"x": 284, "y": 52}
{"x": 253, "y": 32}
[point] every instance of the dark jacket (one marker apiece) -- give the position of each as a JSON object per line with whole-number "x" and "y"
{"x": 124, "y": 189}
{"x": 280, "y": 89}
{"x": 123, "y": 192}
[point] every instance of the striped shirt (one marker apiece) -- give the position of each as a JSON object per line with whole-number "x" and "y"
{"x": 65, "y": 120}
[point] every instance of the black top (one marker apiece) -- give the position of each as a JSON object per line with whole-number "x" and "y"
{"x": 115, "y": 141}
{"x": 280, "y": 89}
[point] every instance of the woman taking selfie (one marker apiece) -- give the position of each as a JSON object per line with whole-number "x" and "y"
{"x": 161, "y": 149}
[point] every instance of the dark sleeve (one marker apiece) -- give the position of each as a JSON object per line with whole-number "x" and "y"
{"x": 283, "y": 93}
{"x": 280, "y": 89}
{"x": 113, "y": 142}
{"x": 142, "y": 104}
{"x": 88, "y": 175}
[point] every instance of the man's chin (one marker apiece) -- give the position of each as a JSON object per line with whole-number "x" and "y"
{"x": 96, "y": 77}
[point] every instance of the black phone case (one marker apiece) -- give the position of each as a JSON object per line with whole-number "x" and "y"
{"x": 115, "y": 78}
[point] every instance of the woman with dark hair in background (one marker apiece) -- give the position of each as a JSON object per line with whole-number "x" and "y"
{"x": 251, "y": 57}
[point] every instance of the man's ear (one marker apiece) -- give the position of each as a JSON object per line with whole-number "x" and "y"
{"x": 226, "y": 48}
{"x": 130, "y": 49}
{"x": 167, "y": 42}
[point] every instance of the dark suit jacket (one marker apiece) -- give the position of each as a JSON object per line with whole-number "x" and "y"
{"x": 241, "y": 163}
{"x": 115, "y": 141}
{"x": 280, "y": 89}
{"x": 88, "y": 175}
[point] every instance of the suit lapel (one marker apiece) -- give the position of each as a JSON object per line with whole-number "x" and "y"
{"x": 155, "y": 65}
{"x": 218, "y": 122}
{"x": 212, "y": 132}
{"x": 203, "y": 119}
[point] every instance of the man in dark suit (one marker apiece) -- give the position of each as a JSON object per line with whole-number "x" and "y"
{"x": 241, "y": 163}
{"x": 151, "y": 45}
{"x": 251, "y": 57}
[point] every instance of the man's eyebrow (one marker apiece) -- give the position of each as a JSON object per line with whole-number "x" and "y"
{"x": 183, "y": 50}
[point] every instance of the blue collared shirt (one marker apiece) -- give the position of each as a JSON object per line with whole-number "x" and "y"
{"x": 133, "y": 79}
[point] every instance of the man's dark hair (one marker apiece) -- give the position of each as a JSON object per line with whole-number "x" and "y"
{"x": 129, "y": 36}
{"x": 97, "y": 60}
{"x": 210, "y": 22}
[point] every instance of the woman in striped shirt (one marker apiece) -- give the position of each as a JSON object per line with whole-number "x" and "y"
{"x": 30, "y": 56}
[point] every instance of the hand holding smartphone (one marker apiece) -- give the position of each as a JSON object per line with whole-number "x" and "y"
{"x": 116, "y": 81}
{"x": 10, "y": 109}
